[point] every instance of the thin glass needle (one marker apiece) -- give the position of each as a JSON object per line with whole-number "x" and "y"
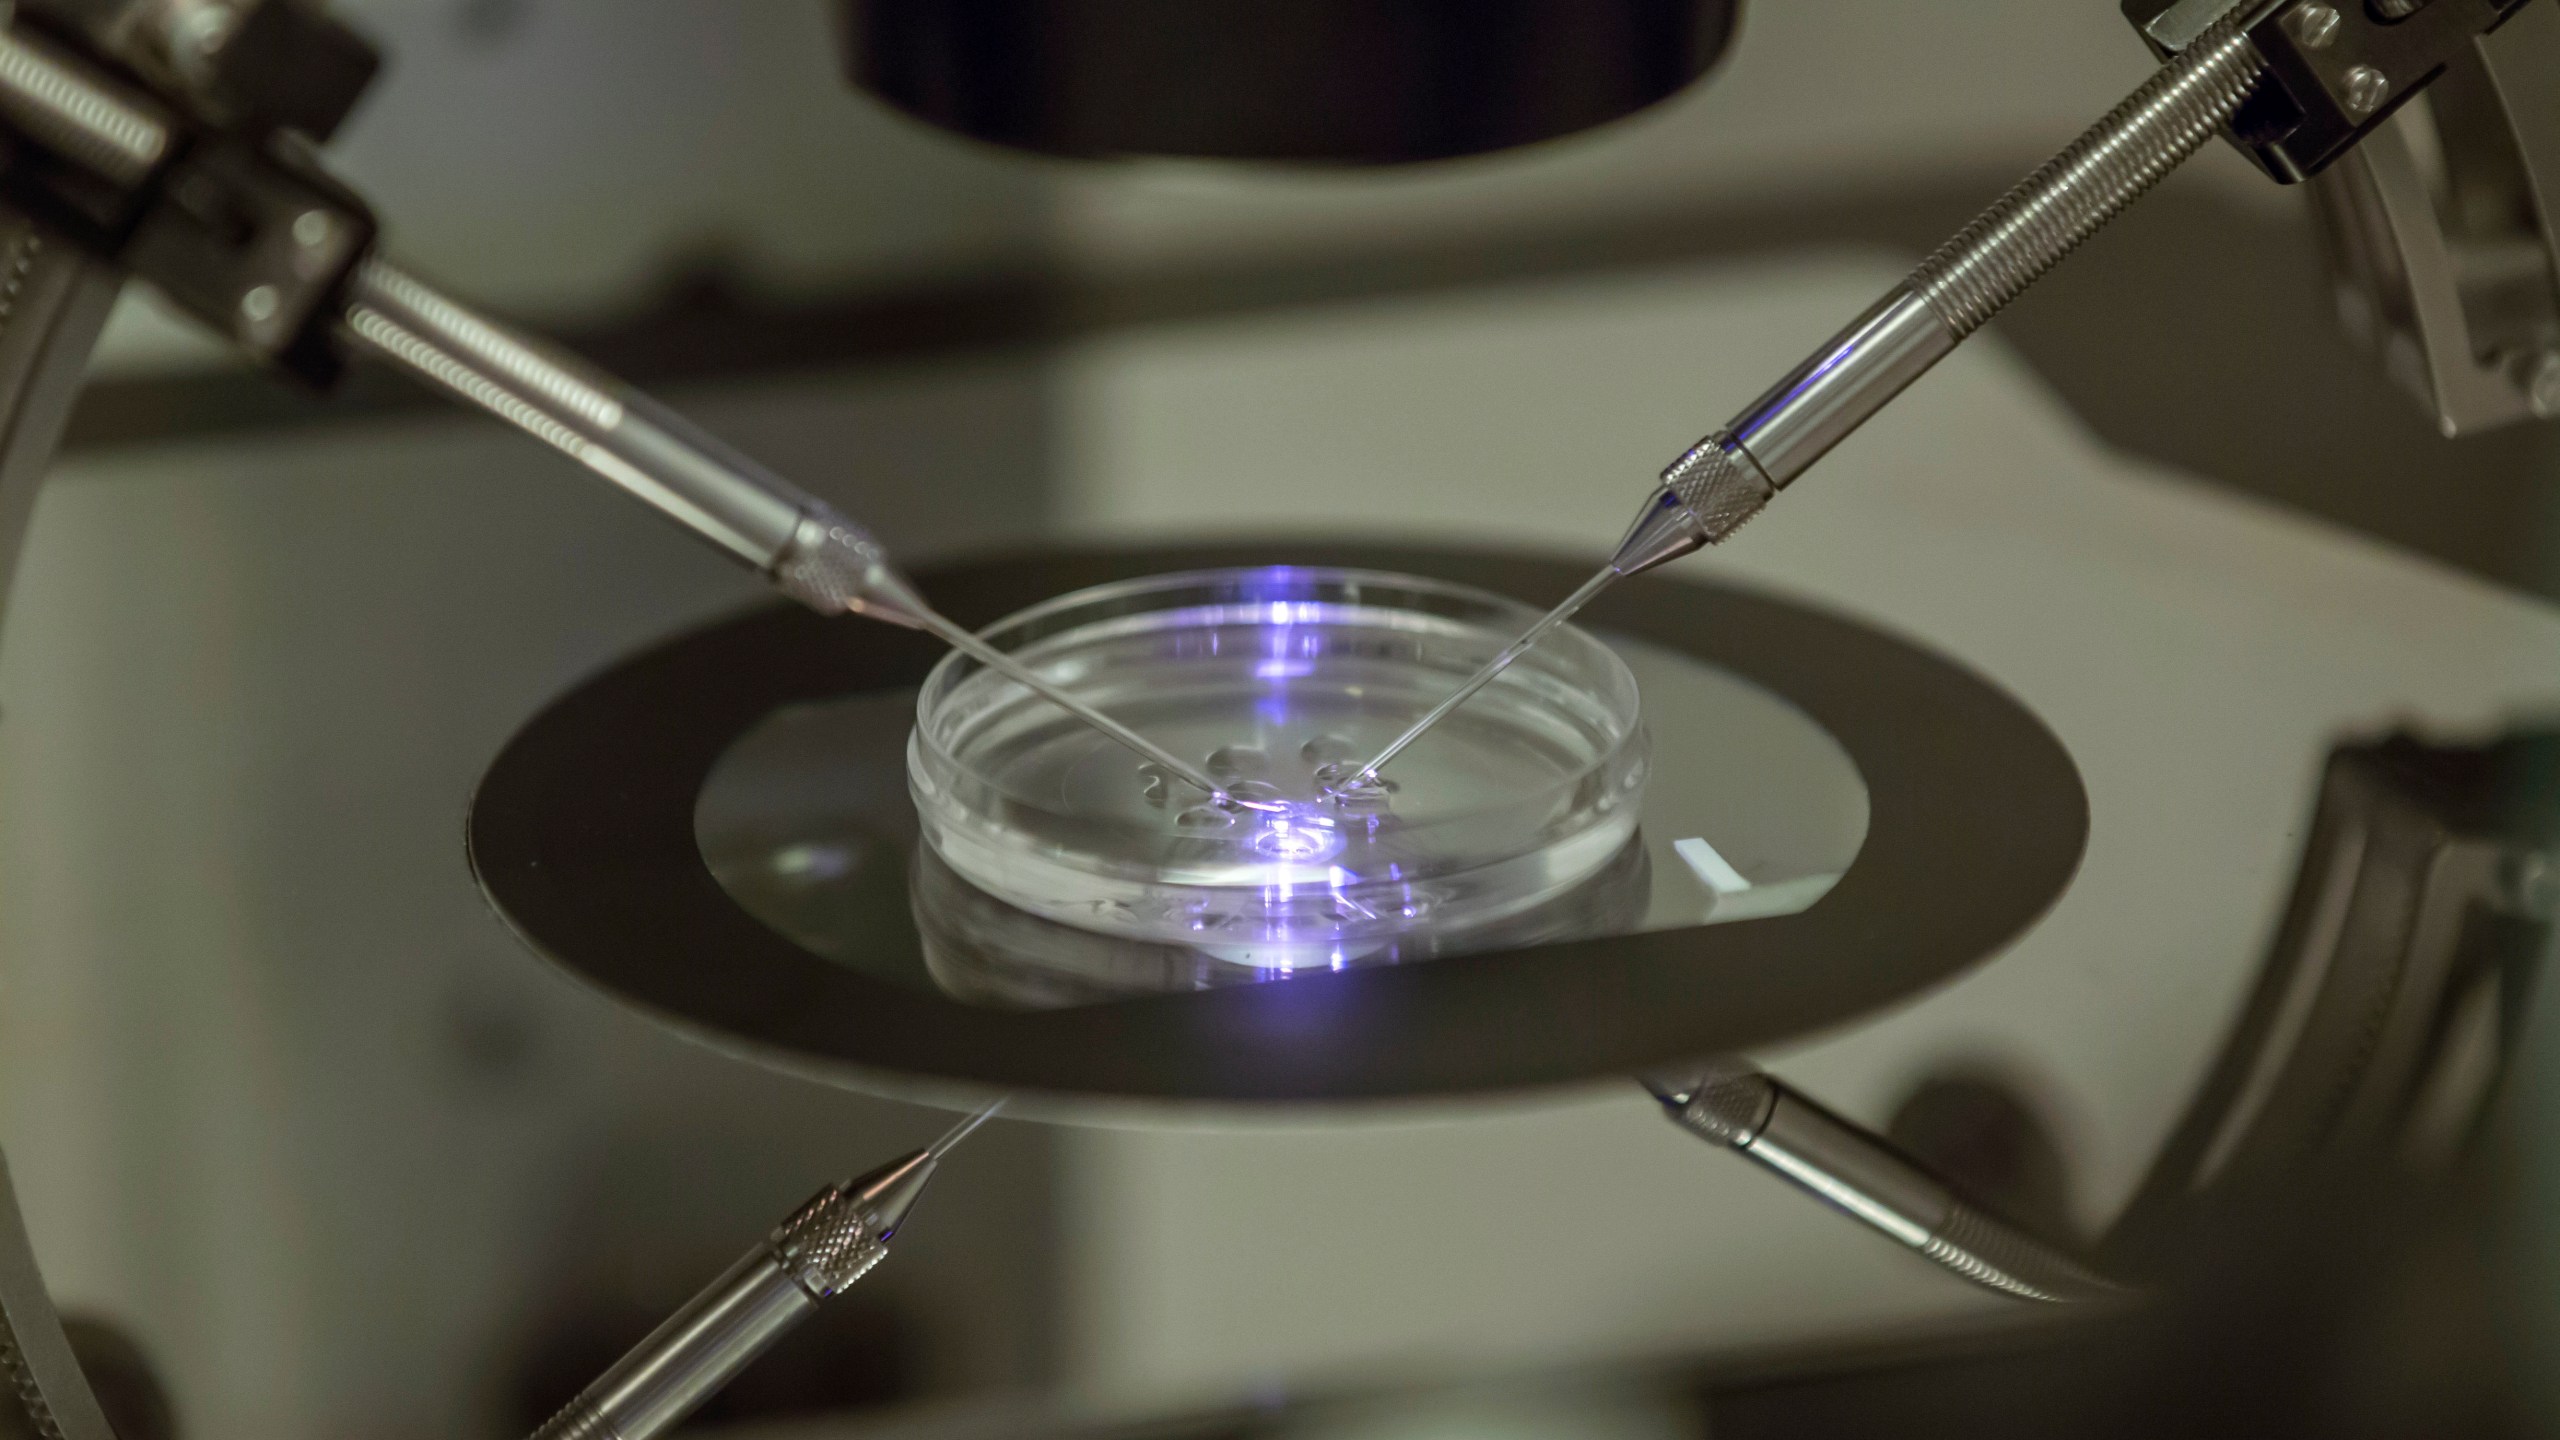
{"x": 961, "y": 1131}
{"x": 1484, "y": 677}
{"x": 1021, "y": 674}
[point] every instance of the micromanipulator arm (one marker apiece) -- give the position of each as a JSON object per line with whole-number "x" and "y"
{"x": 176, "y": 144}
{"x": 814, "y": 1255}
{"x": 2298, "y": 86}
{"x": 1732, "y": 474}
{"x": 179, "y": 151}
{"x": 1863, "y": 1175}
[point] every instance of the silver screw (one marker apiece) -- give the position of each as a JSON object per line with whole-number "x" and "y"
{"x": 2531, "y": 883}
{"x": 197, "y": 36}
{"x": 259, "y": 305}
{"x": 2312, "y": 26}
{"x": 2367, "y": 88}
{"x": 2398, "y": 9}
{"x": 2542, "y": 388}
{"x": 311, "y": 229}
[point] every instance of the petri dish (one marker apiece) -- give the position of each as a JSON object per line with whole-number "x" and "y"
{"x": 1268, "y": 676}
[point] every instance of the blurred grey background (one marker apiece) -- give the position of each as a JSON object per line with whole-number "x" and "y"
{"x": 286, "y": 1102}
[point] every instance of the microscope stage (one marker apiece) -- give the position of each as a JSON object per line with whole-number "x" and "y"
{"x": 719, "y": 832}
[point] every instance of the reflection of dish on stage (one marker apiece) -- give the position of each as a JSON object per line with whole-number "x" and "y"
{"x": 981, "y": 950}
{"x": 721, "y": 830}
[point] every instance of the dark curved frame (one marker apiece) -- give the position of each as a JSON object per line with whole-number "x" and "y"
{"x": 1362, "y": 82}
{"x": 582, "y": 835}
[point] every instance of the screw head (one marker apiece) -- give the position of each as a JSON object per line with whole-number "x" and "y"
{"x": 259, "y": 305}
{"x": 197, "y": 35}
{"x": 2366, "y": 89}
{"x": 2530, "y": 883}
{"x": 2312, "y": 26}
{"x": 2542, "y": 385}
{"x": 311, "y": 229}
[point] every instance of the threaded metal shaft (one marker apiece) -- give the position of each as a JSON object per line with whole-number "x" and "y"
{"x": 1992, "y": 1253}
{"x": 2077, "y": 192}
{"x": 1728, "y": 1107}
{"x": 577, "y": 1420}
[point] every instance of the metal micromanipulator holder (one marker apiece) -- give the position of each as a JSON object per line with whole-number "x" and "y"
{"x": 2453, "y": 271}
{"x": 172, "y": 139}
{"x": 1732, "y": 1103}
{"x": 814, "y": 1255}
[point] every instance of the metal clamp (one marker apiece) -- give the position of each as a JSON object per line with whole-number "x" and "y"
{"x": 2440, "y": 235}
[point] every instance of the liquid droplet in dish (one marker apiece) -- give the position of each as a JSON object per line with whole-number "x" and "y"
{"x": 1256, "y": 795}
{"x": 1230, "y": 763}
{"x": 1326, "y": 750}
{"x": 1371, "y": 796}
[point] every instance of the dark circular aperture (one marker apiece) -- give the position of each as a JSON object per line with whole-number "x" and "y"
{"x": 1342, "y": 81}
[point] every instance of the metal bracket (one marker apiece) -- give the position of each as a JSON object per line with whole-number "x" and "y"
{"x": 2440, "y": 232}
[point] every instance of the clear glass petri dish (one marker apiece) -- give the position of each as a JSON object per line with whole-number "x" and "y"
{"x": 1267, "y": 676}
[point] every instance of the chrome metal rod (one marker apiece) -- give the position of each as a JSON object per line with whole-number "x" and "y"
{"x": 1728, "y": 477}
{"x": 686, "y": 1361}
{"x": 94, "y": 121}
{"x": 820, "y": 1251}
{"x": 1868, "y": 1178}
{"x": 1731, "y": 475}
{"x": 789, "y": 536}
{"x": 651, "y": 454}
{"x": 1484, "y": 676}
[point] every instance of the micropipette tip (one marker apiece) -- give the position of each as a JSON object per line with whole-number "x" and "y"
{"x": 1665, "y": 529}
{"x": 964, "y": 1129}
{"x": 1565, "y": 610}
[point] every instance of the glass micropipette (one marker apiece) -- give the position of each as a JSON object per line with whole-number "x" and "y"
{"x": 1730, "y": 475}
{"x": 961, "y": 1131}
{"x": 1368, "y": 774}
{"x": 794, "y": 539}
{"x": 950, "y": 633}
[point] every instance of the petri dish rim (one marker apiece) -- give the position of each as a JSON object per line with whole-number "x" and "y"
{"x": 1024, "y": 632}
{"x": 582, "y": 834}
{"x": 1465, "y": 864}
